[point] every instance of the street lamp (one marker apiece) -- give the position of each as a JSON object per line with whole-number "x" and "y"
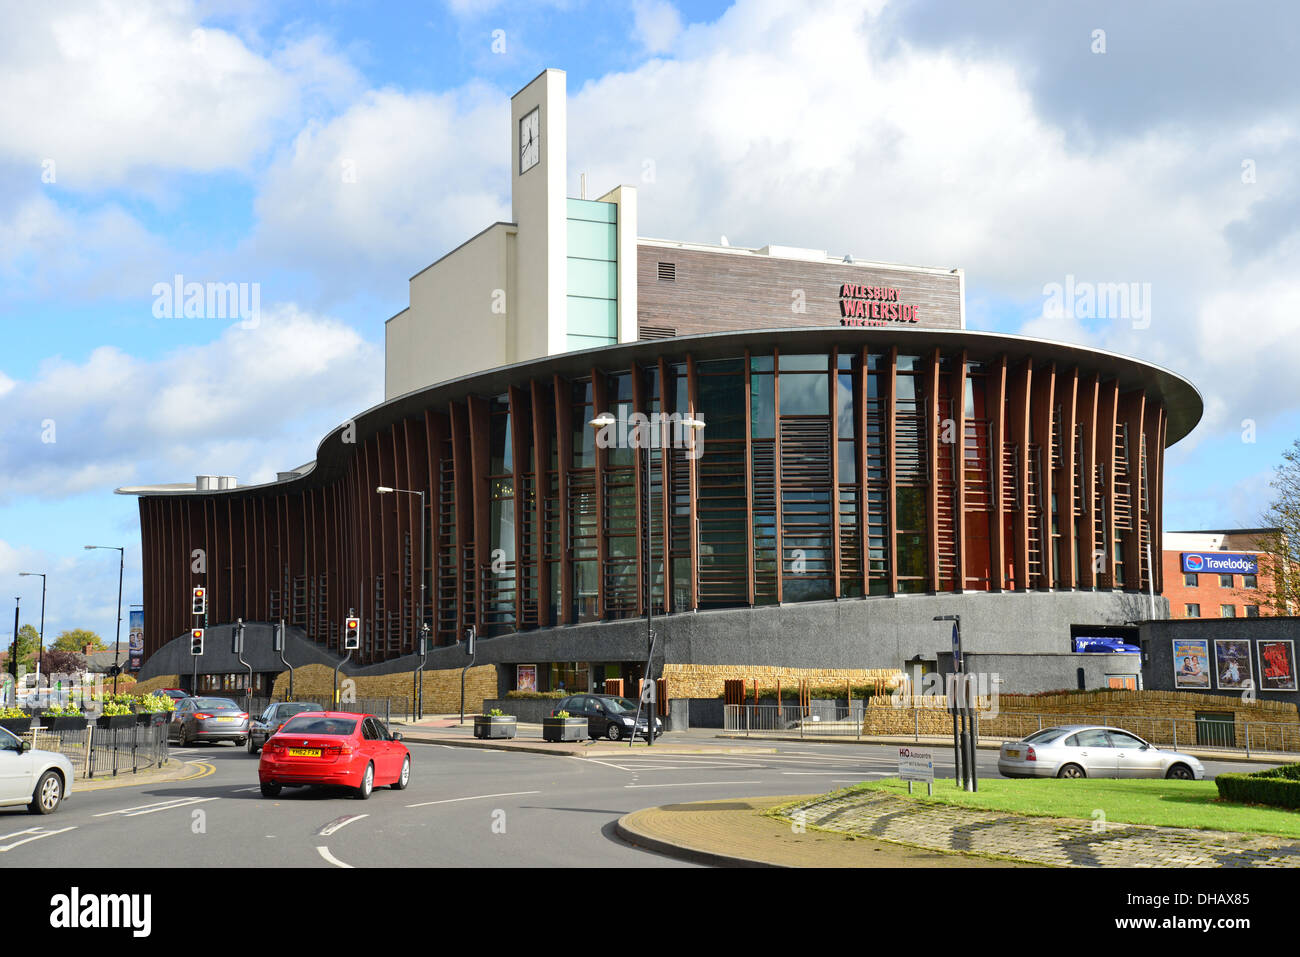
{"x": 604, "y": 420}
{"x": 40, "y": 649}
{"x": 423, "y": 627}
{"x": 121, "y": 569}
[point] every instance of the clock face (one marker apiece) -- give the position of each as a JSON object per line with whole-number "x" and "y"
{"x": 530, "y": 145}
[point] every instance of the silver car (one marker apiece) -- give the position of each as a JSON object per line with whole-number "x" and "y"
{"x": 1093, "y": 751}
{"x": 38, "y": 779}
{"x": 208, "y": 719}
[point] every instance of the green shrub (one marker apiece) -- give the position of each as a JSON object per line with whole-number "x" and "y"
{"x": 13, "y": 713}
{"x": 539, "y": 694}
{"x": 497, "y": 713}
{"x": 562, "y": 714}
{"x": 63, "y": 711}
{"x": 154, "y": 703}
{"x": 1276, "y": 787}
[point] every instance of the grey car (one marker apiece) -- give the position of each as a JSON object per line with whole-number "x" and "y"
{"x": 272, "y": 719}
{"x": 208, "y": 719}
{"x": 1093, "y": 751}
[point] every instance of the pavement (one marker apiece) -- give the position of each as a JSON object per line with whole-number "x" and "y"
{"x": 738, "y": 832}
{"x": 173, "y": 770}
{"x": 767, "y": 832}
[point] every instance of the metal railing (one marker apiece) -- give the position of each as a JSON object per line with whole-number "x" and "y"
{"x": 380, "y": 707}
{"x": 819, "y": 719}
{"x": 830, "y": 719}
{"x": 106, "y": 752}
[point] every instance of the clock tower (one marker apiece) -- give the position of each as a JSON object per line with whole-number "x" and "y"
{"x": 539, "y": 160}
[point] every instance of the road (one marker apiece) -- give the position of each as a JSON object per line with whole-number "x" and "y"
{"x": 465, "y": 807}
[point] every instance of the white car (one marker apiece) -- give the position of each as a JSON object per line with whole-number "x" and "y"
{"x": 1093, "y": 751}
{"x": 38, "y": 779}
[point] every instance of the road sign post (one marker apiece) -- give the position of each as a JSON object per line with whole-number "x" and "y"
{"x": 916, "y": 764}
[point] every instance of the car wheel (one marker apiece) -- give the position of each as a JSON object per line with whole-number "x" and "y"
{"x": 252, "y": 748}
{"x": 1180, "y": 772}
{"x": 1071, "y": 771}
{"x": 405, "y": 777}
{"x": 239, "y": 742}
{"x": 367, "y": 783}
{"x": 270, "y": 790}
{"x": 614, "y": 731}
{"x": 48, "y": 794}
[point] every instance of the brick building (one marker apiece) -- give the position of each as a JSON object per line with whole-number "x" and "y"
{"x": 1214, "y": 593}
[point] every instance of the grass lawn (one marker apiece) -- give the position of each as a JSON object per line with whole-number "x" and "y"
{"x": 1163, "y": 802}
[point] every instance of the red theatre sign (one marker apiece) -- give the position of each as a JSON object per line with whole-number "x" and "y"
{"x": 872, "y": 306}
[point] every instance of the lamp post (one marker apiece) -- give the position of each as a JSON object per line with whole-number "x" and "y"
{"x": 40, "y": 649}
{"x": 644, "y": 545}
{"x": 421, "y": 627}
{"x": 117, "y": 642}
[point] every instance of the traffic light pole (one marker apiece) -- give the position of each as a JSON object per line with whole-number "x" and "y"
{"x": 288, "y": 668}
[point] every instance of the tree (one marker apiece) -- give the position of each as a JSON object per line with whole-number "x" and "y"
{"x": 28, "y": 639}
{"x": 1279, "y": 543}
{"x": 76, "y": 639}
{"x": 56, "y": 661}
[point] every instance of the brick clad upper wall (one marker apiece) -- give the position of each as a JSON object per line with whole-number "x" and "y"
{"x": 727, "y": 292}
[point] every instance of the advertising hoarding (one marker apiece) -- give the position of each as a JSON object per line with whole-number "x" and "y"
{"x": 1276, "y": 665}
{"x": 526, "y": 677}
{"x": 1191, "y": 663}
{"x": 1233, "y": 665}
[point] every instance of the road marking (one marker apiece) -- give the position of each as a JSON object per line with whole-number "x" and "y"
{"x": 475, "y": 797}
{"x": 243, "y": 790}
{"x": 325, "y": 853}
{"x": 205, "y": 770}
{"x": 339, "y": 823}
{"x": 688, "y": 784}
{"x": 158, "y": 806}
{"x": 36, "y": 834}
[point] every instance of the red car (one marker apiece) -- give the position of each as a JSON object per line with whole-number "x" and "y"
{"x": 334, "y": 748}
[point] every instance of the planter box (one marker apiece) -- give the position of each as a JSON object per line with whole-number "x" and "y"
{"x": 115, "y": 721}
{"x": 495, "y": 726}
{"x": 151, "y": 718}
{"x": 564, "y": 729}
{"x": 18, "y": 726}
{"x": 64, "y": 722}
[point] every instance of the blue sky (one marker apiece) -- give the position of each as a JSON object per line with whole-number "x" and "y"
{"x": 143, "y": 140}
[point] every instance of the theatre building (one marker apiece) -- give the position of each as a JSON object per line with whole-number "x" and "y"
{"x": 833, "y": 461}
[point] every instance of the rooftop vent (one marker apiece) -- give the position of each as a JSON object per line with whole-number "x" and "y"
{"x": 668, "y": 272}
{"x": 655, "y": 332}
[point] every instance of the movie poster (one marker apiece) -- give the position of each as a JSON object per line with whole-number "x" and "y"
{"x": 135, "y": 640}
{"x": 1233, "y": 665}
{"x": 526, "y": 677}
{"x": 1191, "y": 663}
{"x": 1276, "y": 665}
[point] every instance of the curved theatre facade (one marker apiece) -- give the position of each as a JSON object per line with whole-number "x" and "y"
{"x": 875, "y": 476}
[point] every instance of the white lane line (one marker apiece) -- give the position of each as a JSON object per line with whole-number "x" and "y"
{"x": 325, "y": 853}
{"x": 151, "y": 808}
{"x": 339, "y": 823}
{"x": 474, "y": 797}
{"x": 688, "y": 784}
{"x": 36, "y": 834}
{"x": 244, "y": 790}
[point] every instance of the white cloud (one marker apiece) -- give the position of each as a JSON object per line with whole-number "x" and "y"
{"x": 250, "y": 397}
{"x": 110, "y": 89}
{"x": 383, "y": 189}
{"x": 657, "y": 24}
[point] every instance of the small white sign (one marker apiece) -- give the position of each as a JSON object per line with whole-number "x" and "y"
{"x": 915, "y": 764}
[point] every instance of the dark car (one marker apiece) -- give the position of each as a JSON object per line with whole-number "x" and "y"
{"x": 208, "y": 719}
{"x": 608, "y": 716}
{"x": 272, "y": 720}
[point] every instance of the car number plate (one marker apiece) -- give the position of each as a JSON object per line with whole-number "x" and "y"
{"x": 1013, "y": 752}
{"x": 304, "y": 752}
{"x": 225, "y": 719}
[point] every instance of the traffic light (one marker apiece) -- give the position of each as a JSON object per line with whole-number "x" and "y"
{"x": 352, "y": 634}
{"x": 237, "y": 638}
{"x": 200, "y": 601}
{"x": 471, "y": 634}
{"x": 196, "y": 641}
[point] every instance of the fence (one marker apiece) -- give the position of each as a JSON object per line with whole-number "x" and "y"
{"x": 829, "y": 719}
{"x": 106, "y": 752}
{"x": 380, "y": 707}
